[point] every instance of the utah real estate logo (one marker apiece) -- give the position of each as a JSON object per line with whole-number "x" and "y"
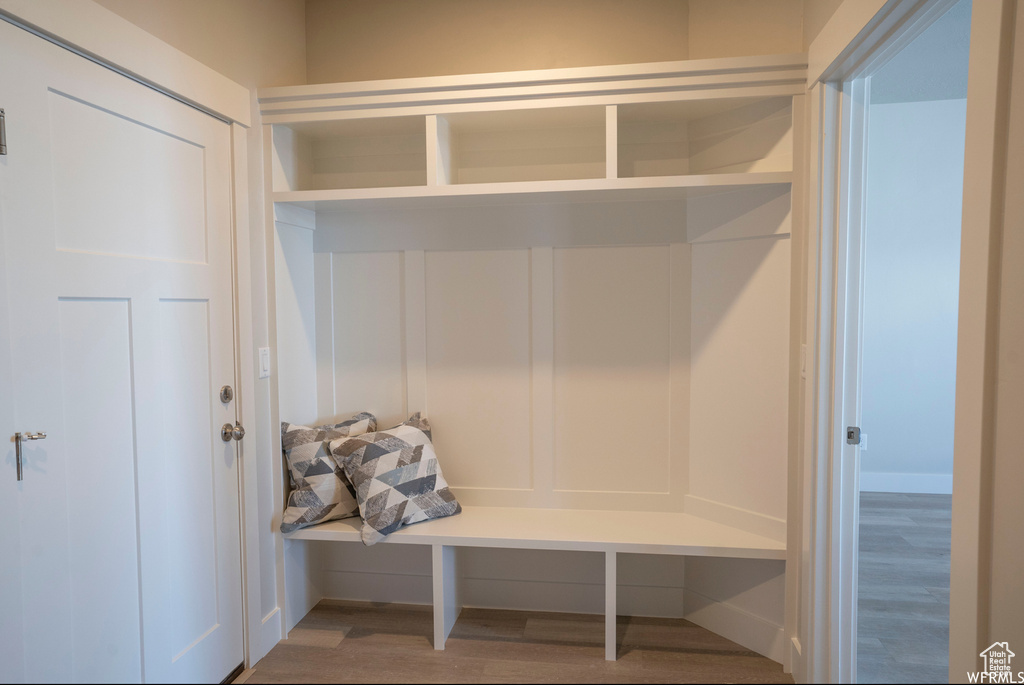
{"x": 997, "y": 666}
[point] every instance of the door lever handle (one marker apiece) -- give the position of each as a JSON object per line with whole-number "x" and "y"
{"x": 18, "y": 439}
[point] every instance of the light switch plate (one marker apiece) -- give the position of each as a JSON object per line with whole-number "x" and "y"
{"x": 264, "y": 362}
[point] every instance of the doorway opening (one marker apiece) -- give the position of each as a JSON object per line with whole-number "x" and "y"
{"x": 911, "y": 133}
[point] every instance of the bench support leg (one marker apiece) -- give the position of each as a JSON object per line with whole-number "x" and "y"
{"x": 447, "y": 602}
{"x": 610, "y": 606}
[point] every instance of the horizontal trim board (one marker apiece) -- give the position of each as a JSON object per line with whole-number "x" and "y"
{"x": 534, "y": 77}
{"x": 728, "y": 91}
{"x": 535, "y": 92}
{"x": 576, "y": 190}
{"x": 570, "y": 530}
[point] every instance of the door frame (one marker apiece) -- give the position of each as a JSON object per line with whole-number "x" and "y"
{"x": 87, "y": 29}
{"x": 860, "y": 38}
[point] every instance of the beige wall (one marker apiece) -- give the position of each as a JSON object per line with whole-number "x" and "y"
{"x": 352, "y": 40}
{"x": 816, "y": 15}
{"x": 738, "y": 28}
{"x": 253, "y": 42}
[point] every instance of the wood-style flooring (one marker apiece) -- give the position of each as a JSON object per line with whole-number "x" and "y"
{"x": 903, "y": 590}
{"x": 348, "y": 642}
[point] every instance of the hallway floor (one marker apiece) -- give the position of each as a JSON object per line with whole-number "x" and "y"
{"x": 903, "y": 604}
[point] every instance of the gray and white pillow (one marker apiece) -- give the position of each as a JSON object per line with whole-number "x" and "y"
{"x": 320, "y": 490}
{"x": 397, "y": 478}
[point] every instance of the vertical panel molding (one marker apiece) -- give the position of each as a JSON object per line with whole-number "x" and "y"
{"x": 679, "y": 368}
{"x": 415, "y": 306}
{"x": 611, "y": 141}
{"x": 323, "y": 336}
{"x": 542, "y": 331}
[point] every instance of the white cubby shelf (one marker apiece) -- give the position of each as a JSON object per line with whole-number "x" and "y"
{"x": 630, "y": 133}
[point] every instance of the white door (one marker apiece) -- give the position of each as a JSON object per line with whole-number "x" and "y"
{"x": 120, "y": 548}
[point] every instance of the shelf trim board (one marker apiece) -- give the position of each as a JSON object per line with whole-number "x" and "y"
{"x": 575, "y": 190}
{"x": 517, "y": 94}
{"x": 715, "y": 67}
{"x": 296, "y": 116}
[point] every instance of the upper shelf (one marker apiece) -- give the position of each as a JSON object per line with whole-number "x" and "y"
{"x": 631, "y": 132}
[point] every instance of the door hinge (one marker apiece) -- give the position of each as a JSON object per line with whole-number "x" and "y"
{"x": 853, "y": 435}
{"x": 3, "y": 133}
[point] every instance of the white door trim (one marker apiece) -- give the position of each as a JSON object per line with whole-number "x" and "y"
{"x": 826, "y": 595}
{"x": 87, "y": 28}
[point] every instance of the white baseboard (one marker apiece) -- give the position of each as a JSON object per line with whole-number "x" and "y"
{"x": 737, "y": 517}
{"x": 733, "y": 623}
{"x": 270, "y": 633}
{"x": 918, "y": 483}
{"x": 796, "y": 660}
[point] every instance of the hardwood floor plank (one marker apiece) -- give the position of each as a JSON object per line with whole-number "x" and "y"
{"x": 903, "y": 592}
{"x": 385, "y": 644}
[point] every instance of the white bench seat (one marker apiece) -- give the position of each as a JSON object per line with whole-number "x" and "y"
{"x": 637, "y": 532}
{"x": 608, "y": 532}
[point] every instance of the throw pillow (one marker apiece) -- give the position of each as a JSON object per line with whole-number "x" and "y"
{"x": 397, "y": 478}
{"x": 320, "y": 490}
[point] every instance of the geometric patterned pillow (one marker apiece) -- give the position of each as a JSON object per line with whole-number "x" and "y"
{"x": 320, "y": 491}
{"x": 397, "y": 478}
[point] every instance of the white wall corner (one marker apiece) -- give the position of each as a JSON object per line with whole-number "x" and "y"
{"x": 740, "y": 626}
{"x": 270, "y": 633}
{"x": 726, "y": 514}
{"x": 291, "y": 215}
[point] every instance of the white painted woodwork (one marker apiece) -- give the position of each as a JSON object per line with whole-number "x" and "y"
{"x": 645, "y": 189}
{"x": 96, "y": 369}
{"x": 611, "y": 360}
{"x": 611, "y": 141}
{"x": 705, "y": 136}
{"x": 296, "y": 327}
{"x": 415, "y": 309}
{"x": 578, "y": 530}
{"x": 586, "y": 288}
{"x": 125, "y": 206}
{"x": 368, "y": 322}
{"x": 447, "y": 599}
{"x": 611, "y": 606}
{"x": 478, "y": 376}
{"x": 124, "y": 336}
{"x": 527, "y": 145}
{"x": 12, "y": 648}
{"x": 691, "y": 79}
{"x": 352, "y": 153}
{"x": 739, "y": 376}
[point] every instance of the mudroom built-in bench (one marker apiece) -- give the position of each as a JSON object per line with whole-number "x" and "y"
{"x": 583, "y": 277}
